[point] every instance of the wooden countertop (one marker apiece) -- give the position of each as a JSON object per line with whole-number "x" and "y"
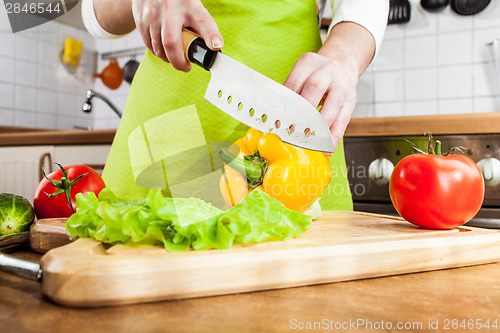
{"x": 478, "y": 123}
{"x": 388, "y": 126}
{"x": 36, "y": 138}
{"x": 437, "y": 297}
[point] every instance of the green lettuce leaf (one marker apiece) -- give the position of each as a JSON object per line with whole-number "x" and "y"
{"x": 179, "y": 224}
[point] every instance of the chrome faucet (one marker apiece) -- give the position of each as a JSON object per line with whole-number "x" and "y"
{"x": 87, "y": 106}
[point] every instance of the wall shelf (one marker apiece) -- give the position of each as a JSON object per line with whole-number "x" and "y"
{"x": 123, "y": 53}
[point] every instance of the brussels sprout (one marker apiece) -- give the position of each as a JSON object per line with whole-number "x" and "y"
{"x": 16, "y": 214}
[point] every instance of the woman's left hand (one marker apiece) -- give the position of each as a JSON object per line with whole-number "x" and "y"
{"x": 329, "y": 77}
{"x": 324, "y": 81}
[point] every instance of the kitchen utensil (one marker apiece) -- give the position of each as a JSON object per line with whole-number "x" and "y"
{"x": 399, "y": 11}
{"x": 468, "y": 7}
{"x": 129, "y": 70}
{"x": 434, "y": 5}
{"x": 44, "y": 235}
{"x": 256, "y": 100}
{"x": 494, "y": 55}
{"x": 70, "y": 56}
{"x": 12, "y": 241}
{"x": 111, "y": 75}
{"x": 339, "y": 246}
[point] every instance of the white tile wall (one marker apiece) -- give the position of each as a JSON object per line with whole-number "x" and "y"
{"x": 426, "y": 107}
{"x": 6, "y": 116}
{"x": 455, "y": 48}
{"x": 489, "y": 17}
{"x": 25, "y": 98}
{"x": 455, "y": 106}
{"x": 7, "y": 70}
{"x": 389, "y": 109}
{"x": 421, "y": 84}
{"x": 36, "y": 89}
{"x": 46, "y": 101}
{"x": 449, "y": 22}
{"x": 24, "y": 118}
{"x": 455, "y": 81}
{"x": 25, "y": 73}
{"x": 6, "y": 95}
{"x": 389, "y": 86}
{"x": 25, "y": 49}
{"x": 484, "y": 84}
{"x": 487, "y": 104}
{"x": 420, "y": 51}
{"x": 365, "y": 89}
{"x": 104, "y": 116}
{"x": 391, "y": 56}
{"x": 435, "y": 64}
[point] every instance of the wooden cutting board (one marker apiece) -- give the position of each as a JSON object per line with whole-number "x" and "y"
{"x": 339, "y": 246}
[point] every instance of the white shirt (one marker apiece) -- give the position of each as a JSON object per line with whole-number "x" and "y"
{"x": 371, "y": 14}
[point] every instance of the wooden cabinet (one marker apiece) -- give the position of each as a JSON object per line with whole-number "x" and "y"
{"x": 20, "y": 167}
{"x": 92, "y": 155}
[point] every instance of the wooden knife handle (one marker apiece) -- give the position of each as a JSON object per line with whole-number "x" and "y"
{"x": 196, "y": 51}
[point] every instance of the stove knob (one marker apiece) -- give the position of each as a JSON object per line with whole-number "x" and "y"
{"x": 380, "y": 171}
{"x": 490, "y": 168}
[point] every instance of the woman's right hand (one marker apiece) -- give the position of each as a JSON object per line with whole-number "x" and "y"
{"x": 160, "y": 24}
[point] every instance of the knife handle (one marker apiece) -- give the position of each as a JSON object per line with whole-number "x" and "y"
{"x": 196, "y": 51}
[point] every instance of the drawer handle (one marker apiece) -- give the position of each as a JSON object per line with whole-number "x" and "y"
{"x": 41, "y": 163}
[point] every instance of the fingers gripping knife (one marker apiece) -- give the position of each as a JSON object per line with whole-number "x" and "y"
{"x": 256, "y": 100}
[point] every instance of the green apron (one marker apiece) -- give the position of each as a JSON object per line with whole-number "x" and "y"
{"x": 267, "y": 36}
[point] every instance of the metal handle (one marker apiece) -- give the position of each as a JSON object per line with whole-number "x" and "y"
{"x": 27, "y": 269}
{"x": 41, "y": 164}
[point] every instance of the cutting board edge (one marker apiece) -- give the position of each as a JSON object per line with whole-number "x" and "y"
{"x": 110, "y": 302}
{"x": 480, "y": 250}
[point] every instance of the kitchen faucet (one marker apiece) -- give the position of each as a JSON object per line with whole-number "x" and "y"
{"x": 87, "y": 106}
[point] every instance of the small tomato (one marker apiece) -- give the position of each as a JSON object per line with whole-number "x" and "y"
{"x": 437, "y": 192}
{"x": 55, "y": 195}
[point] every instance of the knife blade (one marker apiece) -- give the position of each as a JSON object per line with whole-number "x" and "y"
{"x": 256, "y": 100}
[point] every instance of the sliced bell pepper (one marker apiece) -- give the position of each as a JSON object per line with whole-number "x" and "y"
{"x": 293, "y": 175}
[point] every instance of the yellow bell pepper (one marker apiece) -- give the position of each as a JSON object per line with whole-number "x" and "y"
{"x": 293, "y": 175}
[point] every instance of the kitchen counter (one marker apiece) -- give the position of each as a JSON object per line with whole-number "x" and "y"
{"x": 392, "y": 126}
{"x": 37, "y": 138}
{"x": 479, "y": 123}
{"x": 438, "y": 298}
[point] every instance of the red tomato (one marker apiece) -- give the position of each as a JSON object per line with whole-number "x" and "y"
{"x": 437, "y": 192}
{"x": 58, "y": 205}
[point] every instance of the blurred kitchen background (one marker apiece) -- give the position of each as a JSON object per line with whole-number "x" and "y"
{"x": 437, "y": 63}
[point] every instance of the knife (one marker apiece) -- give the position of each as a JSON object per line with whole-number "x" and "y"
{"x": 256, "y": 100}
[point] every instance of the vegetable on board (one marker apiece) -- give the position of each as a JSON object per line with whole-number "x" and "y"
{"x": 437, "y": 191}
{"x": 290, "y": 174}
{"x": 182, "y": 223}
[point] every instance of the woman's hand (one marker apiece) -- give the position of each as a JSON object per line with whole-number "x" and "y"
{"x": 324, "y": 81}
{"x": 160, "y": 24}
{"x": 329, "y": 77}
